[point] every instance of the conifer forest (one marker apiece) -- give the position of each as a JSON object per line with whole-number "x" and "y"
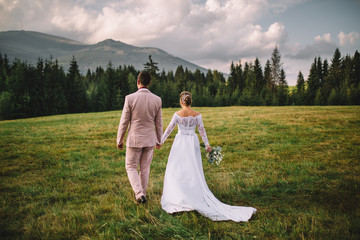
{"x": 45, "y": 88}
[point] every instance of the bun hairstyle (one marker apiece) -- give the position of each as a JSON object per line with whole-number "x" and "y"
{"x": 186, "y": 98}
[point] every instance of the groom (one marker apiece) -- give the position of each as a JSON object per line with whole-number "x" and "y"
{"x": 141, "y": 112}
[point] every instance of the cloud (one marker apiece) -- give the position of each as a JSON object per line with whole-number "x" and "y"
{"x": 351, "y": 38}
{"x": 201, "y": 31}
{"x": 16, "y": 15}
{"x": 322, "y": 45}
{"x": 211, "y": 33}
{"x": 131, "y": 21}
{"x": 223, "y": 32}
{"x": 280, "y": 6}
{"x": 325, "y": 38}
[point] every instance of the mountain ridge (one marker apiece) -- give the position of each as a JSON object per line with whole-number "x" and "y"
{"x": 31, "y": 45}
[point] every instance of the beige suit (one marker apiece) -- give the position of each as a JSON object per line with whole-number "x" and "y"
{"x": 142, "y": 114}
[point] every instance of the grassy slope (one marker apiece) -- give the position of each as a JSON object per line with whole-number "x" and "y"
{"x": 63, "y": 178}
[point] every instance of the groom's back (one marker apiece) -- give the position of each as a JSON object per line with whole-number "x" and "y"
{"x": 145, "y": 110}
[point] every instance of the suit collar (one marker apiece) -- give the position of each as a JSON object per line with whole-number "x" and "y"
{"x": 143, "y": 90}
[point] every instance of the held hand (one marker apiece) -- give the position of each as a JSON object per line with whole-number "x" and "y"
{"x": 208, "y": 148}
{"x": 120, "y": 146}
{"x": 158, "y": 146}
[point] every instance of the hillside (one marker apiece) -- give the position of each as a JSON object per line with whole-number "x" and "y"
{"x": 29, "y": 46}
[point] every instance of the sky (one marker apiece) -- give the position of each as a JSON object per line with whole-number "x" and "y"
{"x": 209, "y": 33}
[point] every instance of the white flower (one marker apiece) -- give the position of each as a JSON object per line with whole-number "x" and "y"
{"x": 215, "y": 155}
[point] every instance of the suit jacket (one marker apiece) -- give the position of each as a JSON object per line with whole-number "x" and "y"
{"x": 142, "y": 113}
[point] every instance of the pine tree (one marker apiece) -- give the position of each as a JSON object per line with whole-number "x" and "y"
{"x": 6, "y": 64}
{"x": 173, "y": 91}
{"x": 333, "y": 98}
{"x": 248, "y": 94}
{"x": 151, "y": 67}
{"x": 246, "y": 73}
{"x": 270, "y": 86}
{"x": 322, "y": 93}
{"x": 335, "y": 71}
{"x": 180, "y": 81}
{"x": 55, "y": 88}
{"x": 6, "y": 105}
{"x": 132, "y": 82}
{"x": 239, "y": 84}
{"x": 37, "y": 91}
{"x": 356, "y": 70}
{"x": 333, "y": 79}
{"x": 3, "y": 74}
{"x": 231, "y": 84}
{"x": 111, "y": 89}
{"x": 267, "y": 75}
{"x": 276, "y": 67}
{"x": 300, "y": 90}
{"x": 319, "y": 67}
{"x": 236, "y": 82}
{"x": 210, "y": 84}
{"x": 216, "y": 84}
{"x": 18, "y": 84}
{"x": 75, "y": 90}
{"x": 259, "y": 78}
{"x": 325, "y": 71}
{"x": 283, "y": 89}
{"x": 354, "y": 85}
{"x": 313, "y": 83}
{"x": 347, "y": 69}
{"x": 199, "y": 80}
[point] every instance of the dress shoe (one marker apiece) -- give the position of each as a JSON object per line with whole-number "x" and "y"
{"x": 141, "y": 200}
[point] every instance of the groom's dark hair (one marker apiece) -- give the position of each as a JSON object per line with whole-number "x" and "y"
{"x": 144, "y": 78}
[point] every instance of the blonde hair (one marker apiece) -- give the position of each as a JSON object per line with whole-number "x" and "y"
{"x": 186, "y": 98}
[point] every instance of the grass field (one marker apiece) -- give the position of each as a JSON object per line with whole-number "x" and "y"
{"x": 63, "y": 178}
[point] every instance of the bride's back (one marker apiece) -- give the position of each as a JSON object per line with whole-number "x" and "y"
{"x": 187, "y": 113}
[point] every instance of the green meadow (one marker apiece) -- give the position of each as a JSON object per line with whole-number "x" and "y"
{"x": 62, "y": 177}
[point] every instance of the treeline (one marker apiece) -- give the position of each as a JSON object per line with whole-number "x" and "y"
{"x": 28, "y": 90}
{"x": 334, "y": 84}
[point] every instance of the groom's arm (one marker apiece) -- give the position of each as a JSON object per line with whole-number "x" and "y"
{"x": 158, "y": 125}
{"x": 124, "y": 122}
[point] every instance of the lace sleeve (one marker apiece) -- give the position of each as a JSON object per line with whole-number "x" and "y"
{"x": 201, "y": 130}
{"x": 169, "y": 129}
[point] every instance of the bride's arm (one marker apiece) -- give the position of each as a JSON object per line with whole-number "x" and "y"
{"x": 169, "y": 129}
{"x": 202, "y": 132}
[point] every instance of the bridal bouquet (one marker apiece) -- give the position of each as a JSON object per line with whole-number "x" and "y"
{"x": 215, "y": 155}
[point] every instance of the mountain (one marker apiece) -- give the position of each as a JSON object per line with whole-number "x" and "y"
{"x": 29, "y": 46}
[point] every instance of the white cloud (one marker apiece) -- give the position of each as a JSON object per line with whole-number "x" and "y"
{"x": 16, "y": 15}
{"x": 214, "y": 32}
{"x": 322, "y": 46}
{"x": 211, "y": 33}
{"x": 131, "y": 21}
{"x": 212, "y": 5}
{"x": 351, "y": 38}
{"x": 280, "y": 6}
{"x": 226, "y": 33}
{"x": 76, "y": 19}
{"x": 325, "y": 38}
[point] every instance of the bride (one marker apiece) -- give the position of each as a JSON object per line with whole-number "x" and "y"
{"x": 185, "y": 187}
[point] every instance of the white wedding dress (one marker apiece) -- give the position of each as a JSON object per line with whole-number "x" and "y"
{"x": 185, "y": 187}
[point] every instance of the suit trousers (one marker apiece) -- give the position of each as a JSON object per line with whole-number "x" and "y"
{"x": 138, "y": 179}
